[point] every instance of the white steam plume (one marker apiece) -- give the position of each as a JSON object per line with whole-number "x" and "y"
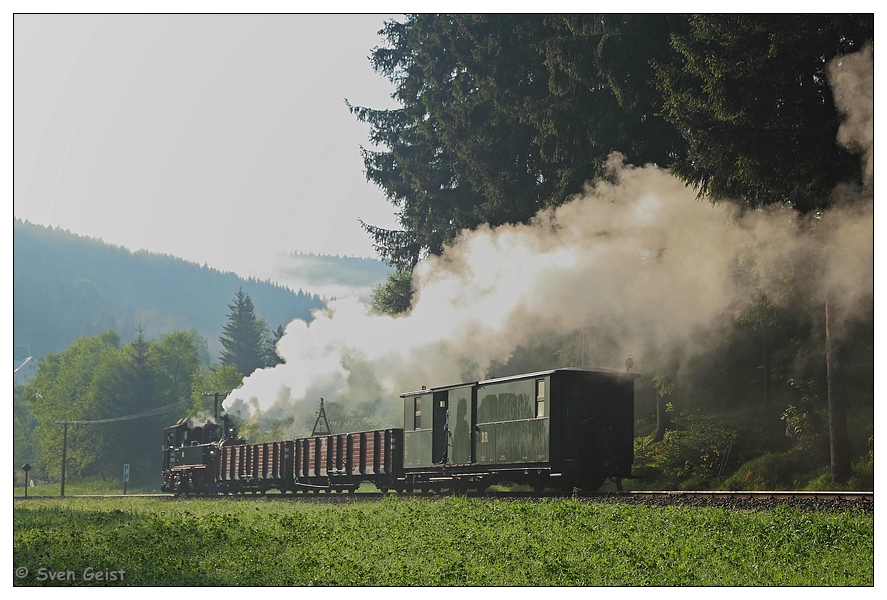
{"x": 639, "y": 262}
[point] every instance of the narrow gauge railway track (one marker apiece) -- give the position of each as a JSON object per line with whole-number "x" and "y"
{"x": 736, "y": 500}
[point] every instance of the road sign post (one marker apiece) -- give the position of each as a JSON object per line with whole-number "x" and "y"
{"x": 26, "y": 467}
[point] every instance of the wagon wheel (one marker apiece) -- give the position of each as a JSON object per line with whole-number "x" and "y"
{"x": 593, "y": 484}
{"x": 566, "y": 488}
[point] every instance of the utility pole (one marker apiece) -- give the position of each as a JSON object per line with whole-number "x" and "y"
{"x": 64, "y": 456}
{"x": 839, "y": 454}
{"x": 215, "y": 396}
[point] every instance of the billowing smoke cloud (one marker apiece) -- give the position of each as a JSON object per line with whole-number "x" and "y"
{"x": 637, "y": 262}
{"x": 852, "y": 80}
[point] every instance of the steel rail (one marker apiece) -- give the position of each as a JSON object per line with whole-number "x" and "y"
{"x": 634, "y": 494}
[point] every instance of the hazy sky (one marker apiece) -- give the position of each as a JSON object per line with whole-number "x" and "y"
{"x": 217, "y": 138}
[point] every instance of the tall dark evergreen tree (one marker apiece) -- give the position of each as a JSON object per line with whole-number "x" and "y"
{"x": 504, "y": 115}
{"x": 127, "y": 384}
{"x": 244, "y": 336}
{"x": 749, "y": 94}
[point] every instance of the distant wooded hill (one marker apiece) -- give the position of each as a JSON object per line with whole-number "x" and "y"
{"x": 66, "y": 286}
{"x": 322, "y": 270}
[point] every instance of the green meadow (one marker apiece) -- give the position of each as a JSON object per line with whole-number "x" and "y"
{"x": 450, "y": 541}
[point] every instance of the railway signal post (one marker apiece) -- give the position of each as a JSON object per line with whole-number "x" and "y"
{"x": 26, "y": 467}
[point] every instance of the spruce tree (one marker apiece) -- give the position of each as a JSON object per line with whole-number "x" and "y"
{"x": 243, "y": 338}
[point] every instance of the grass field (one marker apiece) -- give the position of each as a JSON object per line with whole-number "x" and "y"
{"x": 451, "y": 541}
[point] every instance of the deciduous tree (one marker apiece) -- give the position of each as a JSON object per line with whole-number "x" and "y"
{"x": 61, "y": 391}
{"x": 97, "y": 385}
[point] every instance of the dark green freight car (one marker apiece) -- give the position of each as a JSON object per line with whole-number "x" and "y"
{"x": 564, "y": 428}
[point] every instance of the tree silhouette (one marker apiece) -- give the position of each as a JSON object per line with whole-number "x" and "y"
{"x": 244, "y": 337}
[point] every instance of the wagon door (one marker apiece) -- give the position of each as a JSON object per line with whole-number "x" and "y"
{"x": 440, "y": 423}
{"x": 460, "y": 425}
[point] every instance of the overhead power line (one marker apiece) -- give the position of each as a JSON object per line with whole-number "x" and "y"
{"x": 147, "y": 413}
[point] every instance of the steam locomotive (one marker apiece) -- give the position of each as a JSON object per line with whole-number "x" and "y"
{"x": 560, "y": 429}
